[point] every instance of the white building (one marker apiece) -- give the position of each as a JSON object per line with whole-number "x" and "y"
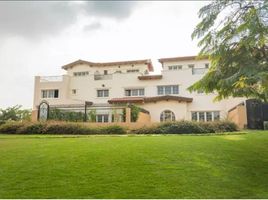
{"x": 105, "y": 87}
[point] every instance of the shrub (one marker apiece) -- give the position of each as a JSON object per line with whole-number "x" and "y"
{"x": 265, "y": 125}
{"x": 112, "y": 130}
{"x": 11, "y": 127}
{"x": 2, "y": 122}
{"x": 64, "y": 128}
{"x": 32, "y": 128}
{"x": 187, "y": 127}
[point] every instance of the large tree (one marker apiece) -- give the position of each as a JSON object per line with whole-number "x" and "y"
{"x": 234, "y": 35}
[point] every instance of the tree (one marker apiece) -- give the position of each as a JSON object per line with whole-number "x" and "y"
{"x": 234, "y": 35}
{"x": 15, "y": 113}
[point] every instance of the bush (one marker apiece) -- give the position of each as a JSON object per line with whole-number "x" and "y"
{"x": 64, "y": 128}
{"x": 265, "y": 125}
{"x": 187, "y": 127}
{"x": 112, "y": 130}
{"x": 32, "y": 128}
{"x": 11, "y": 127}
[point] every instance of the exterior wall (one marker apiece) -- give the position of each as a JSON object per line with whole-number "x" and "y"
{"x": 144, "y": 118}
{"x": 86, "y": 89}
{"x": 155, "y": 109}
{"x": 238, "y": 115}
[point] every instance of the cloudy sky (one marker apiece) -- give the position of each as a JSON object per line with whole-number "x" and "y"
{"x": 37, "y": 38}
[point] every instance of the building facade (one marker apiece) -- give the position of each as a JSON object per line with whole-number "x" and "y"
{"x": 107, "y": 88}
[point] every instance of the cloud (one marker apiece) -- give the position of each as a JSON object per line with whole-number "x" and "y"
{"x": 93, "y": 26}
{"x": 35, "y": 19}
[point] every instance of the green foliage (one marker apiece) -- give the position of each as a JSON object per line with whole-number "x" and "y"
{"x": 58, "y": 128}
{"x": 188, "y": 127}
{"x": 234, "y": 34}
{"x": 15, "y": 113}
{"x": 71, "y": 116}
{"x": 265, "y": 125}
{"x": 135, "y": 110}
{"x": 92, "y": 115}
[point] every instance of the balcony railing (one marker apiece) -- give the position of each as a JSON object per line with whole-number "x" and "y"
{"x": 51, "y": 78}
{"x": 103, "y": 77}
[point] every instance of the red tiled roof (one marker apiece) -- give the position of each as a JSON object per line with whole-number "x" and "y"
{"x": 148, "y": 62}
{"x": 127, "y": 100}
{"x": 184, "y": 58}
{"x": 149, "y": 99}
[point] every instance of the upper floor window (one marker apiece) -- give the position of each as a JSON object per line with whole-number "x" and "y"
{"x": 206, "y": 116}
{"x": 132, "y": 70}
{"x": 81, "y": 73}
{"x": 207, "y": 65}
{"x": 105, "y": 72}
{"x": 102, "y": 93}
{"x": 196, "y": 71}
{"x": 134, "y": 92}
{"x": 167, "y": 89}
{"x": 50, "y": 93}
{"x": 174, "y": 67}
{"x": 74, "y": 91}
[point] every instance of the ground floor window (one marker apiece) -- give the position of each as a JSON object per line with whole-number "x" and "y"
{"x": 206, "y": 116}
{"x": 102, "y": 118}
{"x": 167, "y": 115}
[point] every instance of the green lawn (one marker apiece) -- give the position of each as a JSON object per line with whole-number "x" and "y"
{"x": 174, "y": 166}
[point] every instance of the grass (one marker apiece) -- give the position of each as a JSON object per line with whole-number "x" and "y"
{"x": 174, "y": 166}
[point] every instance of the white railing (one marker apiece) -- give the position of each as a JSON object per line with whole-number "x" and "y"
{"x": 51, "y": 78}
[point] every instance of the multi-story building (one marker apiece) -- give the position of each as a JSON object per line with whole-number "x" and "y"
{"x": 106, "y": 87}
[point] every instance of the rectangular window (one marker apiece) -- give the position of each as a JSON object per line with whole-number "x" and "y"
{"x": 102, "y": 93}
{"x": 194, "y": 116}
{"x": 132, "y": 70}
{"x": 216, "y": 115}
{"x": 175, "y": 67}
{"x": 102, "y": 118}
{"x": 206, "y": 116}
{"x": 50, "y": 94}
{"x": 196, "y": 71}
{"x": 134, "y": 92}
{"x": 167, "y": 89}
{"x": 191, "y": 66}
{"x": 207, "y": 65}
{"x": 85, "y": 73}
{"x": 73, "y": 91}
{"x": 201, "y": 116}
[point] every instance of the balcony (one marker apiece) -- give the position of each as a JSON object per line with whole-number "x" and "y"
{"x": 51, "y": 79}
{"x": 103, "y": 77}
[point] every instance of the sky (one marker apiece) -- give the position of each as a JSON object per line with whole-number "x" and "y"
{"x": 37, "y": 38}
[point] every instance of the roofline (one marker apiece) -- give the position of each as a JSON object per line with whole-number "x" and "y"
{"x": 105, "y": 64}
{"x": 183, "y": 58}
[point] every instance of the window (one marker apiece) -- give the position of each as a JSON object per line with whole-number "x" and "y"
{"x": 50, "y": 93}
{"x": 132, "y": 70}
{"x": 167, "y": 89}
{"x": 102, "y": 93}
{"x": 194, "y": 116}
{"x": 167, "y": 115}
{"x": 196, "y": 71}
{"x": 175, "y": 67}
{"x": 207, "y": 65}
{"x": 104, "y": 118}
{"x": 134, "y": 92}
{"x": 201, "y": 116}
{"x": 206, "y": 116}
{"x": 81, "y": 73}
{"x": 105, "y": 72}
{"x": 200, "y": 92}
{"x": 191, "y": 66}
{"x": 73, "y": 91}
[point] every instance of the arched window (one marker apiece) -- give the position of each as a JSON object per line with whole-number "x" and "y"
{"x": 167, "y": 115}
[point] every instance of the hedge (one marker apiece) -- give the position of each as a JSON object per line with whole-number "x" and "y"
{"x": 179, "y": 127}
{"x": 58, "y": 128}
{"x": 189, "y": 127}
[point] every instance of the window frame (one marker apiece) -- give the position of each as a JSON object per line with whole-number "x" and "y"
{"x": 50, "y": 94}
{"x": 168, "y": 89}
{"x": 102, "y": 93}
